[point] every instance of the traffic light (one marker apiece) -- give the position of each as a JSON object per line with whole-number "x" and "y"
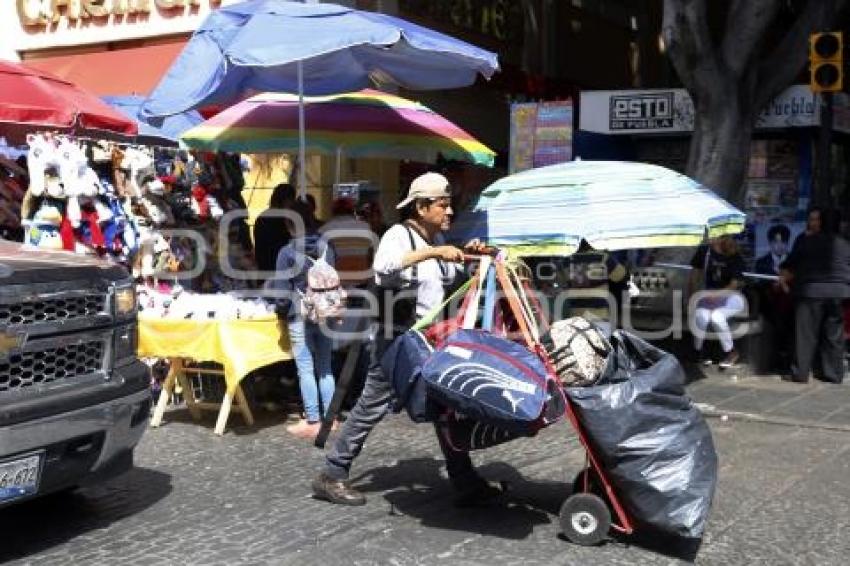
{"x": 826, "y": 59}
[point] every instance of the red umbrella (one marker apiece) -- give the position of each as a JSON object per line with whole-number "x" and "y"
{"x": 36, "y": 99}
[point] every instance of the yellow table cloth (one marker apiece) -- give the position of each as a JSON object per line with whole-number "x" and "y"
{"x": 240, "y": 345}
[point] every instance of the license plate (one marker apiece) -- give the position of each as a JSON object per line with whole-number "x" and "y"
{"x": 19, "y": 477}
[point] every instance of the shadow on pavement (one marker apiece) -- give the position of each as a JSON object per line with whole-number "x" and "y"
{"x": 416, "y": 489}
{"x": 39, "y": 524}
{"x": 664, "y": 544}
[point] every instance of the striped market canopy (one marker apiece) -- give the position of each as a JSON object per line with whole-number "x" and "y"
{"x": 368, "y": 123}
{"x": 612, "y": 205}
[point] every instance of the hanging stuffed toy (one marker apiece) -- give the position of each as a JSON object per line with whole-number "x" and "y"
{"x": 71, "y": 167}
{"x": 115, "y": 227}
{"x": 41, "y": 155}
{"x": 140, "y": 164}
{"x": 155, "y": 206}
{"x": 45, "y": 229}
{"x": 200, "y": 205}
{"x": 204, "y": 204}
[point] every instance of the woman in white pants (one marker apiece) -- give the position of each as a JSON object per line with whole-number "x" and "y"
{"x": 721, "y": 269}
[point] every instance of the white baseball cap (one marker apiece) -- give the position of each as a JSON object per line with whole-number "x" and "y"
{"x": 427, "y": 185}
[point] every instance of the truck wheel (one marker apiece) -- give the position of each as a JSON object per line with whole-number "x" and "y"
{"x": 585, "y": 519}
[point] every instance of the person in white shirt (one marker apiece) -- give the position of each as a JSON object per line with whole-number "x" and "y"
{"x": 411, "y": 255}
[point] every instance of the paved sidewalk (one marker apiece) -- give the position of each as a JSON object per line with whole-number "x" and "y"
{"x": 195, "y": 498}
{"x": 734, "y": 394}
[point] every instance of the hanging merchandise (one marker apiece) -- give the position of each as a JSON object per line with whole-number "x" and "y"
{"x": 113, "y": 201}
{"x": 69, "y": 206}
{"x": 13, "y": 185}
{"x": 177, "y": 303}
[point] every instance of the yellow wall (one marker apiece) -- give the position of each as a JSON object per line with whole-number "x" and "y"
{"x": 269, "y": 170}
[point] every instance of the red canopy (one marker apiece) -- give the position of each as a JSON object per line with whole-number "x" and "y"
{"x": 30, "y": 97}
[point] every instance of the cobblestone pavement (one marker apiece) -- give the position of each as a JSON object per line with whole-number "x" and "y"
{"x": 194, "y": 498}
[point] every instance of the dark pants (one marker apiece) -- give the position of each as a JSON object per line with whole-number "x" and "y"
{"x": 778, "y": 309}
{"x": 370, "y": 408}
{"x": 820, "y": 329}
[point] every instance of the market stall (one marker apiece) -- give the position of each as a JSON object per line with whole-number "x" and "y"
{"x": 184, "y": 342}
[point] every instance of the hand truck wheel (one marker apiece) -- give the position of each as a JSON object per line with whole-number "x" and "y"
{"x": 585, "y": 519}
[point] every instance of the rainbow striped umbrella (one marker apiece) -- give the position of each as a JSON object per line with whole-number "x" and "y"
{"x": 368, "y": 123}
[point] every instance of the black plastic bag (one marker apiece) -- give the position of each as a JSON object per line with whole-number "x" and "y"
{"x": 652, "y": 441}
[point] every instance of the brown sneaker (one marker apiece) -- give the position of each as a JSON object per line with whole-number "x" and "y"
{"x": 336, "y": 491}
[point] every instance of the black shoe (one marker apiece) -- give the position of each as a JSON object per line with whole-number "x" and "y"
{"x": 336, "y": 491}
{"x": 794, "y": 379}
{"x": 477, "y": 494}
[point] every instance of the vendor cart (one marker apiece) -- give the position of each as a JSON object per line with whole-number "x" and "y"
{"x": 491, "y": 367}
{"x": 514, "y": 312}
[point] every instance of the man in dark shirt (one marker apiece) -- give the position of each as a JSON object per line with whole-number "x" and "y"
{"x": 778, "y": 307}
{"x": 270, "y": 231}
{"x": 818, "y": 270}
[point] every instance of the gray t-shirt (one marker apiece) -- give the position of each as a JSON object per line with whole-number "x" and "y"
{"x": 432, "y": 274}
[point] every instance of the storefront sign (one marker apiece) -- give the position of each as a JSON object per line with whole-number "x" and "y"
{"x": 31, "y": 25}
{"x": 43, "y": 12}
{"x": 541, "y": 134}
{"x": 636, "y": 111}
{"x": 642, "y": 111}
{"x": 672, "y": 111}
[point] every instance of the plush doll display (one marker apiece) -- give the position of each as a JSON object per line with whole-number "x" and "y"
{"x": 178, "y": 303}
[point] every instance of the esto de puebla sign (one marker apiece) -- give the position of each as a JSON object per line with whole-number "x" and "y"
{"x": 42, "y": 12}
{"x": 672, "y": 111}
{"x": 641, "y": 111}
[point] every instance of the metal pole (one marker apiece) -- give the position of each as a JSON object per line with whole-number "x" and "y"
{"x": 824, "y": 186}
{"x": 338, "y": 163}
{"x": 302, "y": 140}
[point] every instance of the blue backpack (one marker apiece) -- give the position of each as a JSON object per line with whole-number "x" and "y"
{"x": 493, "y": 380}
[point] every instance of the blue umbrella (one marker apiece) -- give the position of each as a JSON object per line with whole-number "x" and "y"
{"x": 317, "y": 49}
{"x": 612, "y": 205}
{"x": 167, "y": 131}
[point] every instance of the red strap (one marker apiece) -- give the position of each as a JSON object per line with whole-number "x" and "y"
{"x": 93, "y": 220}
{"x": 513, "y": 301}
{"x": 66, "y": 233}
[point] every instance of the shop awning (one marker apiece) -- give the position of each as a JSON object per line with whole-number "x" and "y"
{"x": 134, "y": 70}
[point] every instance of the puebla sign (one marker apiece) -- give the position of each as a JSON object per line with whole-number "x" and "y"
{"x": 672, "y": 111}
{"x": 44, "y": 12}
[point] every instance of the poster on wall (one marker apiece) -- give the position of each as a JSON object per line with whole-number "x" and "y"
{"x": 773, "y": 243}
{"x": 771, "y": 200}
{"x": 541, "y": 134}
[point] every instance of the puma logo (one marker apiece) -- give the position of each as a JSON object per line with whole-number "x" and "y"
{"x": 514, "y": 401}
